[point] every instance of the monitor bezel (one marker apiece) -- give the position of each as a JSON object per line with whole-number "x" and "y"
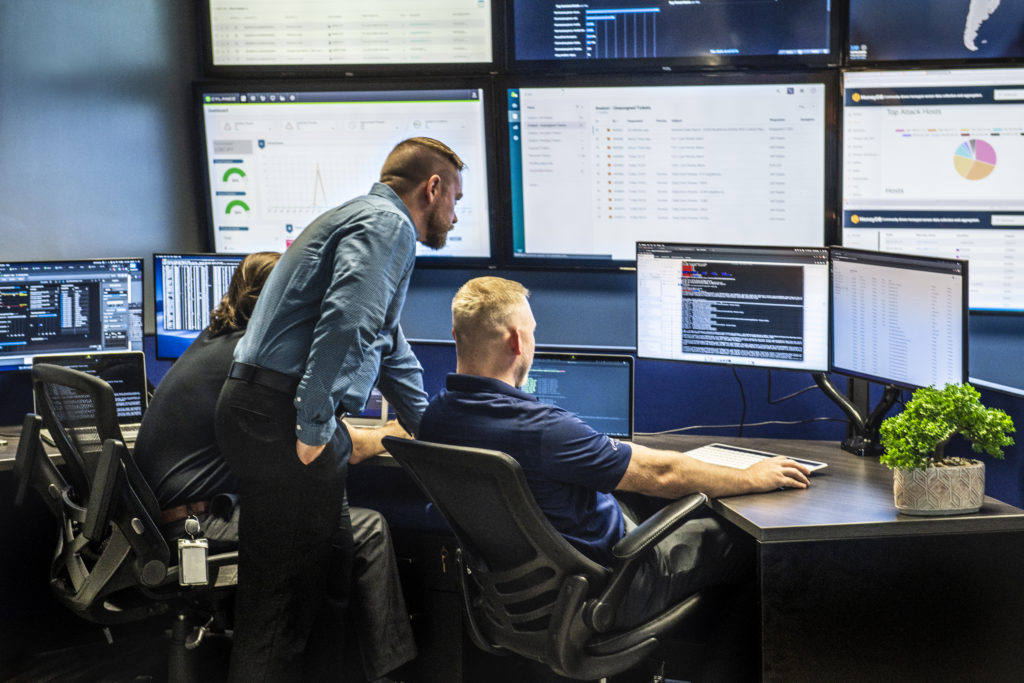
{"x": 868, "y": 255}
{"x": 830, "y": 171}
{"x": 485, "y": 84}
{"x": 598, "y": 356}
{"x": 344, "y": 71}
{"x": 676, "y": 64}
{"x": 767, "y": 366}
{"x": 141, "y": 261}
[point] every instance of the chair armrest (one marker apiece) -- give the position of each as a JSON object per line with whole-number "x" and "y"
{"x": 657, "y": 526}
{"x": 101, "y": 493}
{"x": 29, "y": 449}
{"x": 599, "y": 613}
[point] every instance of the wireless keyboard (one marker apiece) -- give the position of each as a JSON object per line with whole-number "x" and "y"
{"x": 741, "y": 458}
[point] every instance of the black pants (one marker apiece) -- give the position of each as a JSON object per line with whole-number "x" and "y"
{"x": 295, "y": 540}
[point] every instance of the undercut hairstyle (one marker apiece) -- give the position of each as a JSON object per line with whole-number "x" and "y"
{"x": 481, "y": 309}
{"x": 235, "y": 308}
{"x": 414, "y": 160}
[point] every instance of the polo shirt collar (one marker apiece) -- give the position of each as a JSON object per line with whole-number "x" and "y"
{"x": 477, "y": 384}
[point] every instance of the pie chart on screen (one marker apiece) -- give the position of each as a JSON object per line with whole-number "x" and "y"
{"x": 975, "y": 159}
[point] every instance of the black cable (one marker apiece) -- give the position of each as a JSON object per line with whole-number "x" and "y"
{"x": 772, "y": 401}
{"x": 764, "y": 423}
{"x": 743, "y": 401}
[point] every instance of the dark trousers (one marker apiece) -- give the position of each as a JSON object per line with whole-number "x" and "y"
{"x": 295, "y": 540}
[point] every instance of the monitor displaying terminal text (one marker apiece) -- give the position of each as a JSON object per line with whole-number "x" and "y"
{"x": 76, "y": 306}
{"x": 747, "y": 306}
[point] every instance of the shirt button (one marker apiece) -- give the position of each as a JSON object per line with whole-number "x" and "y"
{"x": 298, "y": 427}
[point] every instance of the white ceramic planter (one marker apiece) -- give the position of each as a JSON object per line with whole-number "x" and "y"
{"x": 940, "y": 490}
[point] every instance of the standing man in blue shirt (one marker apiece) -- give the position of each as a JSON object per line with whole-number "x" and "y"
{"x": 324, "y": 332}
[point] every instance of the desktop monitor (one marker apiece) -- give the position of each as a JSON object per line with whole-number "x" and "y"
{"x": 187, "y": 288}
{"x": 899, "y": 319}
{"x": 327, "y": 37}
{"x": 933, "y": 164}
{"x": 596, "y": 165}
{"x": 752, "y": 306}
{"x": 596, "y": 387}
{"x": 665, "y": 34}
{"x": 74, "y": 306}
{"x": 278, "y": 155}
{"x": 920, "y": 30}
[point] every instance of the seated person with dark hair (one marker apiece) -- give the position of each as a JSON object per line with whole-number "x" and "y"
{"x": 177, "y": 452}
{"x": 573, "y": 470}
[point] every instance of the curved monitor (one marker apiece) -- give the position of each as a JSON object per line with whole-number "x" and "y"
{"x": 278, "y": 155}
{"x": 922, "y": 30}
{"x": 77, "y": 306}
{"x": 606, "y": 35}
{"x": 326, "y": 37}
{"x": 763, "y": 307}
{"x": 597, "y": 164}
{"x": 933, "y": 164}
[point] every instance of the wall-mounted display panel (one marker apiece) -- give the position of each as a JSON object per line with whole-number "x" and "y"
{"x": 275, "y": 156}
{"x": 603, "y": 35}
{"x": 921, "y": 30}
{"x": 321, "y": 37}
{"x": 596, "y": 165}
{"x": 933, "y": 164}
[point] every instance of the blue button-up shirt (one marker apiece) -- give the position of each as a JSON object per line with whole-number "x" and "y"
{"x": 328, "y": 314}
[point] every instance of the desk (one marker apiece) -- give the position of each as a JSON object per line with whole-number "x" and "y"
{"x": 853, "y": 591}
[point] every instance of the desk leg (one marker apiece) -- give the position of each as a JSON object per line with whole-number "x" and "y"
{"x": 921, "y": 608}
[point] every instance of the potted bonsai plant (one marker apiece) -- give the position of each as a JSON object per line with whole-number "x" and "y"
{"x": 925, "y": 480}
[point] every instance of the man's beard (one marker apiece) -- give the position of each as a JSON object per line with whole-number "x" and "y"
{"x": 437, "y": 230}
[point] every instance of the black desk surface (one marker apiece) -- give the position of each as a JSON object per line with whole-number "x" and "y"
{"x": 851, "y": 498}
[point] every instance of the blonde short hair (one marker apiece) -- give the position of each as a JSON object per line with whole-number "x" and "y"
{"x": 482, "y": 307}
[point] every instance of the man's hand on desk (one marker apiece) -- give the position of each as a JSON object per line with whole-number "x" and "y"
{"x": 366, "y": 442}
{"x": 778, "y": 473}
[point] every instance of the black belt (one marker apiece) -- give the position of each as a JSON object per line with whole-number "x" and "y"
{"x": 271, "y": 379}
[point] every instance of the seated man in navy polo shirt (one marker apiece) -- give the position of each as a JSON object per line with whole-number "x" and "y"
{"x": 573, "y": 470}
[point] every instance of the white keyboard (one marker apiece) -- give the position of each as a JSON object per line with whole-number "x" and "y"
{"x": 741, "y": 458}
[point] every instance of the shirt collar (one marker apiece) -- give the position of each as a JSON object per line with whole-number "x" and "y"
{"x": 475, "y": 383}
{"x": 385, "y": 192}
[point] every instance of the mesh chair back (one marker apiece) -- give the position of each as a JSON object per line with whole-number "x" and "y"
{"x": 518, "y": 563}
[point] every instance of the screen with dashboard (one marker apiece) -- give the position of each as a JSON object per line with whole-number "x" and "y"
{"x": 70, "y": 306}
{"x": 604, "y": 34}
{"x": 747, "y": 306}
{"x": 899, "y": 319}
{"x": 277, "y": 157}
{"x": 918, "y": 30}
{"x": 933, "y": 164}
{"x": 187, "y": 287}
{"x": 728, "y": 159}
{"x": 320, "y": 36}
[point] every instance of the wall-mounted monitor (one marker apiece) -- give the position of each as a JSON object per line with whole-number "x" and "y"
{"x": 326, "y": 37}
{"x": 920, "y": 30}
{"x": 899, "y": 319}
{"x": 187, "y": 288}
{"x": 664, "y": 34}
{"x": 933, "y": 164}
{"x": 596, "y": 165}
{"x": 76, "y": 306}
{"x": 761, "y": 307}
{"x": 278, "y": 155}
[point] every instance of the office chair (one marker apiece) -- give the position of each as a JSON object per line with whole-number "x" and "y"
{"x": 526, "y": 589}
{"x": 112, "y": 565}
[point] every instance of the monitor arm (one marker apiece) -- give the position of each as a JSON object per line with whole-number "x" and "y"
{"x": 864, "y": 439}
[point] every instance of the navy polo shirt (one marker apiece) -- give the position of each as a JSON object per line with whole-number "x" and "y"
{"x": 570, "y": 468}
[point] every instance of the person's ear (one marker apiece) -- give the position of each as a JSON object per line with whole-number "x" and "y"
{"x": 433, "y": 188}
{"x": 515, "y": 341}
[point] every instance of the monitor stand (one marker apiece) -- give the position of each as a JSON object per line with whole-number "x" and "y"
{"x": 862, "y": 438}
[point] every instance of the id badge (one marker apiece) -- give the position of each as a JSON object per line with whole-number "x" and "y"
{"x": 192, "y": 569}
